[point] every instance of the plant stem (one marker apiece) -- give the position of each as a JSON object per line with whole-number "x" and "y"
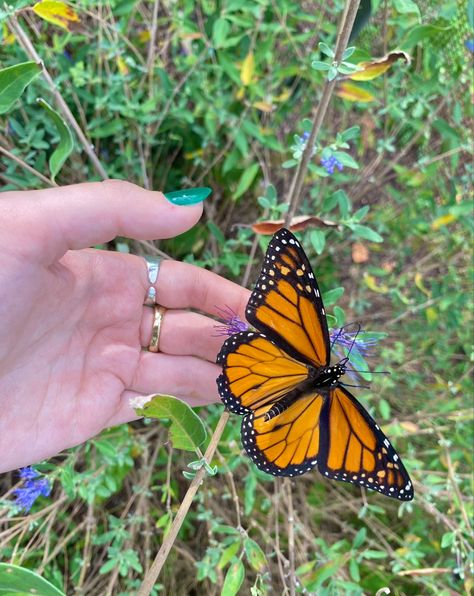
{"x": 345, "y": 28}
{"x": 26, "y": 44}
{"x": 23, "y": 164}
{"x": 154, "y": 571}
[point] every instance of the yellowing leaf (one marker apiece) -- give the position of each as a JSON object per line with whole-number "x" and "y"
{"x": 191, "y": 35}
{"x": 374, "y": 68}
{"x": 8, "y": 38}
{"x": 443, "y": 221}
{"x": 144, "y": 36}
{"x": 122, "y": 66}
{"x": 193, "y": 154}
{"x": 419, "y": 284}
{"x": 409, "y": 427}
{"x": 352, "y": 92}
{"x": 284, "y": 95}
{"x": 264, "y": 106}
{"x": 247, "y": 69}
{"x": 240, "y": 93}
{"x": 371, "y": 283}
{"x": 58, "y": 13}
{"x": 431, "y": 314}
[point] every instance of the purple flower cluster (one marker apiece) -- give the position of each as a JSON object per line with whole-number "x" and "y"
{"x": 354, "y": 340}
{"x": 304, "y": 137}
{"x": 329, "y": 163}
{"x": 33, "y": 487}
{"x": 232, "y": 323}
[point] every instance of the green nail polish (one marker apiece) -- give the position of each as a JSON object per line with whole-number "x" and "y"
{"x": 188, "y": 196}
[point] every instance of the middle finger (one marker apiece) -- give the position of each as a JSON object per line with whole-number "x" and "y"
{"x": 183, "y": 333}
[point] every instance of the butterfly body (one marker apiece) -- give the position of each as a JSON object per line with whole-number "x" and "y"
{"x": 296, "y": 413}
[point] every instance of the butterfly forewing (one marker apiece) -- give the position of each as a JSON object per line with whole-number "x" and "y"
{"x": 286, "y": 304}
{"x": 255, "y": 372}
{"x": 354, "y": 449}
{"x": 288, "y": 444}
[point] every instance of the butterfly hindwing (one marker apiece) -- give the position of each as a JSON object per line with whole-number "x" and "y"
{"x": 354, "y": 449}
{"x": 255, "y": 372}
{"x": 286, "y": 303}
{"x": 287, "y": 444}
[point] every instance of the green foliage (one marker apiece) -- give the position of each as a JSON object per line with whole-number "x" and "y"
{"x": 226, "y": 102}
{"x": 13, "y": 81}
{"x": 18, "y": 580}
{"x": 186, "y": 428}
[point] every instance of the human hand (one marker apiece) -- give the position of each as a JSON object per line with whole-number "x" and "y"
{"x": 72, "y": 320}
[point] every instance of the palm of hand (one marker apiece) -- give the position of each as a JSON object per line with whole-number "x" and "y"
{"x": 76, "y": 350}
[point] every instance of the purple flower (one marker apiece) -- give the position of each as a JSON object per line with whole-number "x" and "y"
{"x": 33, "y": 487}
{"x": 352, "y": 339}
{"x": 329, "y": 163}
{"x": 232, "y": 323}
{"x": 469, "y": 44}
{"x": 342, "y": 341}
{"x": 28, "y": 473}
{"x": 304, "y": 137}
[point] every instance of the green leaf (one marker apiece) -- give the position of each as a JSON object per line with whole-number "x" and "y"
{"x": 318, "y": 65}
{"x": 332, "y": 73}
{"x": 220, "y": 32}
{"x": 420, "y": 33}
{"x": 16, "y": 581}
{"x": 406, "y": 7}
{"x": 365, "y": 232}
{"x": 233, "y": 579}
{"x": 350, "y": 133}
{"x": 187, "y": 429}
{"x": 448, "y": 539}
{"x": 325, "y": 49}
{"x": 348, "y": 52}
{"x": 255, "y": 555}
{"x": 228, "y": 553}
{"x": 340, "y": 316}
{"x": 318, "y": 240}
{"x": 66, "y": 141}
{"x": 14, "y": 80}
{"x": 107, "y": 130}
{"x": 246, "y": 180}
{"x": 332, "y": 296}
{"x": 359, "y": 538}
{"x": 346, "y": 159}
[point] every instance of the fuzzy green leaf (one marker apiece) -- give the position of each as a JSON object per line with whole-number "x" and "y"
{"x": 187, "y": 430}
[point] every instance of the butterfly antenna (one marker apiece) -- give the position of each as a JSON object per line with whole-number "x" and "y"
{"x": 346, "y": 359}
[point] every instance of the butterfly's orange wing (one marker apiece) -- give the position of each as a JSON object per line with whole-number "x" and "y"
{"x": 354, "y": 449}
{"x": 287, "y": 444}
{"x": 286, "y": 303}
{"x": 256, "y": 372}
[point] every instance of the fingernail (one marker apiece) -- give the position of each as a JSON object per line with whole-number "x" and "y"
{"x": 188, "y": 196}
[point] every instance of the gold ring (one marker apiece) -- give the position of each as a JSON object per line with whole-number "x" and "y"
{"x": 158, "y": 313}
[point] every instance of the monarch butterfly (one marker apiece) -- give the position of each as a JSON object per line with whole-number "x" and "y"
{"x": 297, "y": 414}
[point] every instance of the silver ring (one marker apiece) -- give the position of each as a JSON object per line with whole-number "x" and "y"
{"x": 152, "y": 268}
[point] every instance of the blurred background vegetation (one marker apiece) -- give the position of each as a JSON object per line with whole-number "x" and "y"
{"x": 220, "y": 93}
